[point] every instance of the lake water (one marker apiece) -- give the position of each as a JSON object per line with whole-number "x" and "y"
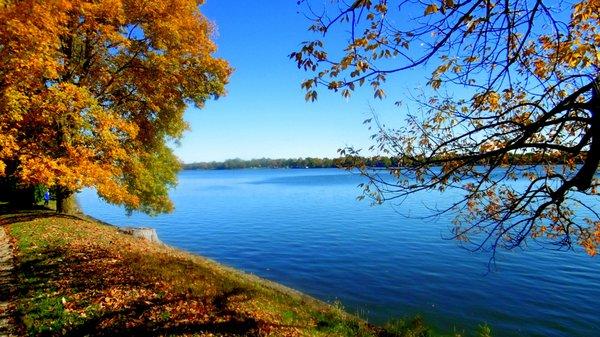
{"x": 305, "y": 229}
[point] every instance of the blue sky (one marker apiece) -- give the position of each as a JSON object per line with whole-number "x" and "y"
{"x": 264, "y": 113}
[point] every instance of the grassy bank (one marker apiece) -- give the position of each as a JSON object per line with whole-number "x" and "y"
{"x": 81, "y": 277}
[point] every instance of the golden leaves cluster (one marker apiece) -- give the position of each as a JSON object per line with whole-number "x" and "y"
{"x": 90, "y": 92}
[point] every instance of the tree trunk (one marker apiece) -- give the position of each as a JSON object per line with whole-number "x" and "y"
{"x": 65, "y": 202}
{"x": 584, "y": 178}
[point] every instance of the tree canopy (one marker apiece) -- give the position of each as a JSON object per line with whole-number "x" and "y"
{"x": 503, "y": 78}
{"x": 91, "y": 93}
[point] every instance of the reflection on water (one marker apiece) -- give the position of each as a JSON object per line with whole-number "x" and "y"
{"x": 305, "y": 229}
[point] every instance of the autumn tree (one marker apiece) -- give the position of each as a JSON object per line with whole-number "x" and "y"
{"x": 92, "y": 93}
{"x": 503, "y": 79}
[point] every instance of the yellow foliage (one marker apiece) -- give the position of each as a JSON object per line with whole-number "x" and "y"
{"x": 430, "y": 9}
{"x": 92, "y": 90}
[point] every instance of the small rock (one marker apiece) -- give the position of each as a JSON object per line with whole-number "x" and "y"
{"x": 145, "y": 233}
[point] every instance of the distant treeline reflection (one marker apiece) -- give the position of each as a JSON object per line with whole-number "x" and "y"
{"x": 348, "y": 161}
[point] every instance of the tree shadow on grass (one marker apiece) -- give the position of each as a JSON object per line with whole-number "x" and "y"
{"x": 10, "y": 215}
{"x": 234, "y": 325}
{"x": 84, "y": 276}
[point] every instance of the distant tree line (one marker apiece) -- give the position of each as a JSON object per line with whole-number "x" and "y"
{"x": 351, "y": 161}
{"x": 237, "y": 163}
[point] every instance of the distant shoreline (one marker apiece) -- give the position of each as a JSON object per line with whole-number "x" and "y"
{"x": 258, "y": 168}
{"x": 376, "y": 162}
{"x": 297, "y": 163}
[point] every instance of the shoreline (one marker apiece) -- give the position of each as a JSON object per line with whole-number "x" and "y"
{"x": 89, "y": 267}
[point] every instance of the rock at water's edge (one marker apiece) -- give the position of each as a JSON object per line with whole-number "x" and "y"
{"x": 145, "y": 233}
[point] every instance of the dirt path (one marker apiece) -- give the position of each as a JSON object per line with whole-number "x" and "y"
{"x": 6, "y": 284}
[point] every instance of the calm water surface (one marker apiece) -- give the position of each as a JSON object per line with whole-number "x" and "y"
{"x": 305, "y": 229}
